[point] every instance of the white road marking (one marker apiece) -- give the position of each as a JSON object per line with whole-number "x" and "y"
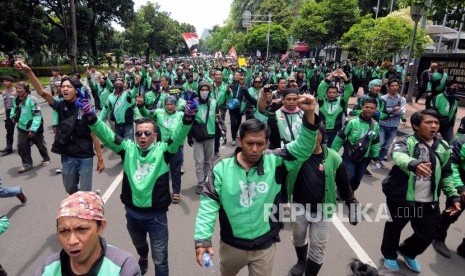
{"x": 352, "y": 242}
{"x": 112, "y": 187}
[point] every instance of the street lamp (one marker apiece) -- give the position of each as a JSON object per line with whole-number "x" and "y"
{"x": 247, "y": 21}
{"x": 416, "y": 12}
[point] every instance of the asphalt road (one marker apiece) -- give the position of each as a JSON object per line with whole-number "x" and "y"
{"x": 32, "y": 235}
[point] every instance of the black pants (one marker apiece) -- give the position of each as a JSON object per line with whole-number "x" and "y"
{"x": 445, "y": 222}
{"x": 429, "y": 97}
{"x": 220, "y": 129}
{"x": 424, "y": 219}
{"x": 421, "y": 91}
{"x": 10, "y": 129}
{"x": 24, "y": 147}
{"x": 236, "y": 117}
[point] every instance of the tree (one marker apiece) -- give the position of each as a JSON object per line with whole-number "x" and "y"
{"x": 322, "y": 23}
{"x": 280, "y": 11}
{"x": 256, "y": 39}
{"x": 377, "y": 39}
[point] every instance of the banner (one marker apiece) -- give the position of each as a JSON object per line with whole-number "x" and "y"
{"x": 232, "y": 52}
{"x": 191, "y": 39}
{"x": 242, "y": 62}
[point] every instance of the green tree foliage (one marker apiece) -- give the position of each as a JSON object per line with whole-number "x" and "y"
{"x": 377, "y": 39}
{"x": 324, "y": 22}
{"x": 153, "y": 31}
{"x": 256, "y": 39}
{"x": 280, "y": 11}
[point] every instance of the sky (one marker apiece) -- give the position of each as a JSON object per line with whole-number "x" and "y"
{"x": 203, "y": 14}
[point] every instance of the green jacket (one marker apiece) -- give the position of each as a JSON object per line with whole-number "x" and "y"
{"x": 289, "y": 124}
{"x": 446, "y": 106}
{"x": 27, "y": 114}
{"x": 457, "y": 159}
{"x": 102, "y": 92}
{"x": 122, "y": 107}
{"x": 146, "y": 173}
{"x": 242, "y": 198}
{"x": 113, "y": 262}
{"x": 166, "y": 122}
{"x": 221, "y": 94}
{"x": 354, "y": 131}
{"x": 154, "y": 100}
{"x": 399, "y": 185}
{"x": 332, "y": 112}
{"x": 381, "y": 111}
{"x": 201, "y": 116}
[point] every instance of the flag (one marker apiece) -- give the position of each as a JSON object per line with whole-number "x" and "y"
{"x": 242, "y": 62}
{"x": 191, "y": 39}
{"x": 259, "y": 54}
{"x": 194, "y": 52}
{"x": 232, "y": 52}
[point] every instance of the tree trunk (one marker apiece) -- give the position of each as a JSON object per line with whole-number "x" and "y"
{"x": 93, "y": 40}
{"x": 147, "y": 55}
{"x": 73, "y": 40}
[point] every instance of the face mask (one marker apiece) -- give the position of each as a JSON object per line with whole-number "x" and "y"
{"x": 204, "y": 95}
{"x": 119, "y": 88}
{"x": 156, "y": 87}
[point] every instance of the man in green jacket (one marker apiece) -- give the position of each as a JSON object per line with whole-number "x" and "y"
{"x": 421, "y": 168}
{"x": 360, "y": 138}
{"x": 446, "y": 105}
{"x": 244, "y": 189}
{"x": 26, "y": 112}
{"x": 80, "y": 224}
{"x": 332, "y": 105}
{"x": 145, "y": 191}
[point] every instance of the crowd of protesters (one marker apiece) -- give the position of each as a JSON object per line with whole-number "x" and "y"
{"x": 290, "y": 119}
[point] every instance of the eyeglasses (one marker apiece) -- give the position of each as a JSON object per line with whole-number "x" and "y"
{"x": 257, "y": 81}
{"x": 146, "y": 132}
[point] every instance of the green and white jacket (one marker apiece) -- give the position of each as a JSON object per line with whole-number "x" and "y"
{"x": 244, "y": 200}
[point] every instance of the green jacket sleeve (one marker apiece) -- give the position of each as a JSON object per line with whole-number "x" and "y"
{"x": 348, "y": 90}
{"x": 322, "y": 87}
{"x": 108, "y": 137}
{"x": 457, "y": 158}
{"x": 144, "y": 112}
{"x": 109, "y": 85}
{"x": 341, "y": 137}
{"x": 179, "y": 135}
{"x": 402, "y": 158}
{"x": 105, "y": 111}
{"x": 13, "y": 110}
{"x": 374, "y": 146}
{"x": 37, "y": 115}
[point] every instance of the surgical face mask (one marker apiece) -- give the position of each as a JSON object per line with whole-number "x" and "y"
{"x": 204, "y": 95}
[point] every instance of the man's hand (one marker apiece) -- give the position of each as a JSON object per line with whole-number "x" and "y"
{"x": 200, "y": 251}
{"x": 423, "y": 170}
{"x": 140, "y": 101}
{"x": 21, "y": 66}
{"x": 307, "y": 103}
{"x": 30, "y": 135}
{"x": 100, "y": 165}
{"x": 454, "y": 209}
{"x": 87, "y": 108}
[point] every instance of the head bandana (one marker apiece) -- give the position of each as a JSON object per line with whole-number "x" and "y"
{"x": 375, "y": 82}
{"x": 83, "y": 205}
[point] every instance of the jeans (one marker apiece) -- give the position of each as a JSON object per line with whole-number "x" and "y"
{"x": 125, "y": 131}
{"x": 155, "y": 223}
{"x": 10, "y": 191}
{"x": 175, "y": 170}
{"x": 235, "y": 117}
{"x": 10, "y": 129}
{"x": 424, "y": 219}
{"x": 24, "y": 147}
{"x": 386, "y": 136}
{"x": 203, "y": 154}
{"x": 318, "y": 234}
{"x": 77, "y": 173}
{"x": 356, "y": 170}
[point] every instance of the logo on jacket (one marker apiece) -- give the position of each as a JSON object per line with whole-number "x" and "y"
{"x": 143, "y": 170}
{"x": 249, "y": 191}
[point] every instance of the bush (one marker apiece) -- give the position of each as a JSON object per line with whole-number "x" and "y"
{"x": 10, "y": 71}
{"x": 64, "y": 69}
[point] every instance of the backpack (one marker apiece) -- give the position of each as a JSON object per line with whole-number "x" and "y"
{"x": 358, "y": 150}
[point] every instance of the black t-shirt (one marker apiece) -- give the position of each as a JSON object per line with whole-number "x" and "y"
{"x": 310, "y": 183}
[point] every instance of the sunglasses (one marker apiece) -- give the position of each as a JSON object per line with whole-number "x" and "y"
{"x": 257, "y": 81}
{"x": 146, "y": 132}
